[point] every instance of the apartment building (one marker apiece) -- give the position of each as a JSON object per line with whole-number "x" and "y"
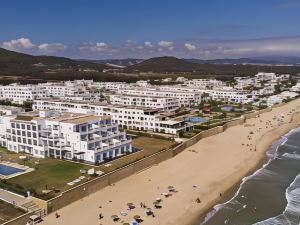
{"x": 130, "y": 117}
{"x": 63, "y": 89}
{"x": 111, "y": 86}
{"x": 167, "y": 104}
{"x": 21, "y": 93}
{"x": 229, "y": 96}
{"x": 185, "y": 98}
{"x": 205, "y": 83}
{"x": 277, "y": 99}
{"x": 64, "y": 135}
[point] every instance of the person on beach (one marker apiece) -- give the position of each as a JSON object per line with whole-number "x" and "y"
{"x": 198, "y": 200}
{"x": 57, "y": 215}
{"x": 100, "y": 216}
{"x": 220, "y": 194}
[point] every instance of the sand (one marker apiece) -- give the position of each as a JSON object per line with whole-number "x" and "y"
{"x": 206, "y": 169}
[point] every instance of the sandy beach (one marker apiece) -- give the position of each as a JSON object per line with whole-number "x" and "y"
{"x": 206, "y": 169}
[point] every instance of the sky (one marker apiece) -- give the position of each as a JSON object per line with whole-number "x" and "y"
{"x": 111, "y": 29}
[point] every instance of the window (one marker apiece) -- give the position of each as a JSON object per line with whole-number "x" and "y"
{"x": 28, "y": 127}
{"x": 23, "y": 126}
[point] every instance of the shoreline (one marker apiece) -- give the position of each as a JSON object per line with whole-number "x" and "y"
{"x": 216, "y": 164}
{"x": 230, "y": 192}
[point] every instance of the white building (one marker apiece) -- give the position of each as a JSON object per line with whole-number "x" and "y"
{"x": 130, "y": 117}
{"x": 10, "y": 110}
{"x": 65, "y": 135}
{"x": 112, "y": 86}
{"x": 262, "y": 76}
{"x": 277, "y": 99}
{"x": 295, "y": 88}
{"x": 67, "y": 88}
{"x": 167, "y": 104}
{"x": 185, "y": 98}
{"x": 205, "y": 83}
{"x": 21, "y": 93}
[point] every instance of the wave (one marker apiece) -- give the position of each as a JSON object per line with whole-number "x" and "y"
{"x": 261, "y": 173}
{"x": 291, "y": 214}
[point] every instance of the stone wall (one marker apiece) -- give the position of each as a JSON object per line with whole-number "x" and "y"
{"x": 21, "y": 220}
{"x": 89, "y": 187}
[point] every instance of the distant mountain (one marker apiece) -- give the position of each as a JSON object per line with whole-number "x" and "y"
{"x": 283, "y": 59}
{"x": 117, "y": 62}
{"x": 164, "y": 64}
{"x": 18, "y": 63}
{"x": 206, "y": 67}
{"x": 262, "y": 60}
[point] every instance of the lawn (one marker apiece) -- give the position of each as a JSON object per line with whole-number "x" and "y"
{"x": 8, "y": 212}
{"x": 55, "y": 174}
{"x": 149, "y": 145}
{"x": 51, "y": 172}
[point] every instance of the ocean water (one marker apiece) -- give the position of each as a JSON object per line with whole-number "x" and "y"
{"x": 270, "y": 196}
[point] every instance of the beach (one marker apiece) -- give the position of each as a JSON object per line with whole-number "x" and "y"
{"x": 205, "y": 171}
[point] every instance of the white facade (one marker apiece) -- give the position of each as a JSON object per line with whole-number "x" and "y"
{"x": 21, "y": 93}
{"x": 138, "y": 118}
{"x": 185, "y": 98}
{"x": 205, "y": 83}
{"x": 277, "y": 99}
{"x": 65, "y": 136}
{"x": 167, "y": 104}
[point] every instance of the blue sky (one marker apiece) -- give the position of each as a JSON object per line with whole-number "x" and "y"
{"x": 98, "y": 29}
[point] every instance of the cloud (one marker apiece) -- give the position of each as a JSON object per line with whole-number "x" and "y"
{"x": 18, "y": 44}
{"x": 165, "y": 45}
{"x": 190, "y": 46}
{"x": 25, "y": 45}
{"x": 52, "y": 47}
{"x": 89, "y": 47}
{"x": 148, "y": 44}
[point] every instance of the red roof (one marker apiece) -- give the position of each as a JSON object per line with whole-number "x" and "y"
{"x": 206, "y": 109}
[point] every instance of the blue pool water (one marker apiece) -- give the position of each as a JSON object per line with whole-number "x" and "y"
{"x": 8, "y": 170}
{"x": 227, "y": 108}
{"x": 195, "y": 119}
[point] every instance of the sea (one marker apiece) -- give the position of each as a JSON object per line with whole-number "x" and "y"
{"x": 271, "y": 195}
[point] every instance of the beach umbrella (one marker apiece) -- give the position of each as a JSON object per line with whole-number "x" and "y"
{"x": 130, "y": 204}
{"x": 136, "y": 217}
{"x": 126, "y": 224}
{"x": 170, "y": 187}
{"x": 156, "y": 203}
{"x": 158, "y": 199}
{"x": 114, "y": 217}
{"x": 165, "y": 194}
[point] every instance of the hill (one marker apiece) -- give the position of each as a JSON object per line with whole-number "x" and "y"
{"x": 262, "y": 60}
{"x": 164, "y": 64}
{"x": 117, "y": 62}
{"x": 14, "y": 63}
{"x": 175, "y": 65}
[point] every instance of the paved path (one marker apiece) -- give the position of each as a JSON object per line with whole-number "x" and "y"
{"x": 13, "y": 198}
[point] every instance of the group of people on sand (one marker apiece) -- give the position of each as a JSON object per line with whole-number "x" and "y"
{"x": 148, "y": 211}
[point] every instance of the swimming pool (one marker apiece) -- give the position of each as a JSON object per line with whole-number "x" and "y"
{"x": 8, "y": 170}
{"x": 195, "y": 119}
